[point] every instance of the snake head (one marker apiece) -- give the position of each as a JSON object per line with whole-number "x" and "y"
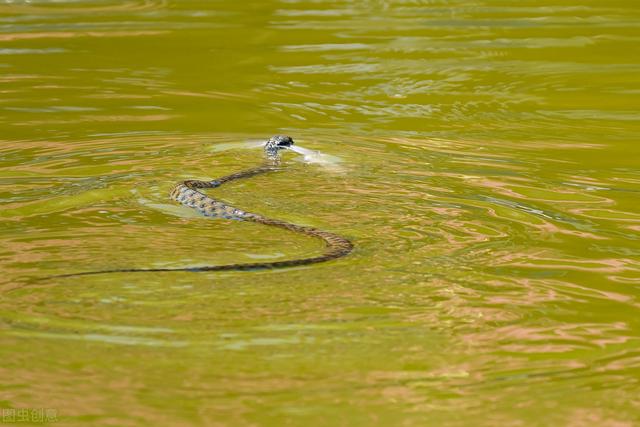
{"x": 276, "y": 143}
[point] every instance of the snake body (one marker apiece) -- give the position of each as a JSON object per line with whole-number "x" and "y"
{"x": 188, "y": 193}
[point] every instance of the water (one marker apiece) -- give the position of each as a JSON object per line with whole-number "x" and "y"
{"x": 482, "y": 156}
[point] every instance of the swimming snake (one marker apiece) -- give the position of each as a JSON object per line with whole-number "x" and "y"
{"x": 188, "y": 193}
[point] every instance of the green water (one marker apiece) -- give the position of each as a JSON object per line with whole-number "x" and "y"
{"x": 485, "y": 163}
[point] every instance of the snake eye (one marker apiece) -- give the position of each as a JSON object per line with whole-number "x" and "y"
{"x": 282, "y": 141}
{"x": 285, "y": 142}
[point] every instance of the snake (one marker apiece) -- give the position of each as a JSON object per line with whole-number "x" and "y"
{"x": 189, "y": 193}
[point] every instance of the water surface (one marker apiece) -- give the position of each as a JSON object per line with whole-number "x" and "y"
{"x": 482, "y": 156}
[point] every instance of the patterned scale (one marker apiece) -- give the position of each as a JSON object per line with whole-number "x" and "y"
{"x": 185, "y": 194}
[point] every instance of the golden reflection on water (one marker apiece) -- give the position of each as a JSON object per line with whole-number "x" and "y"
{"x": 70, "y": 6}
{"x": 66, "y": 35}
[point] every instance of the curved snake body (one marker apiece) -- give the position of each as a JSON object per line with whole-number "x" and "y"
{"x": 188, "y": 194}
